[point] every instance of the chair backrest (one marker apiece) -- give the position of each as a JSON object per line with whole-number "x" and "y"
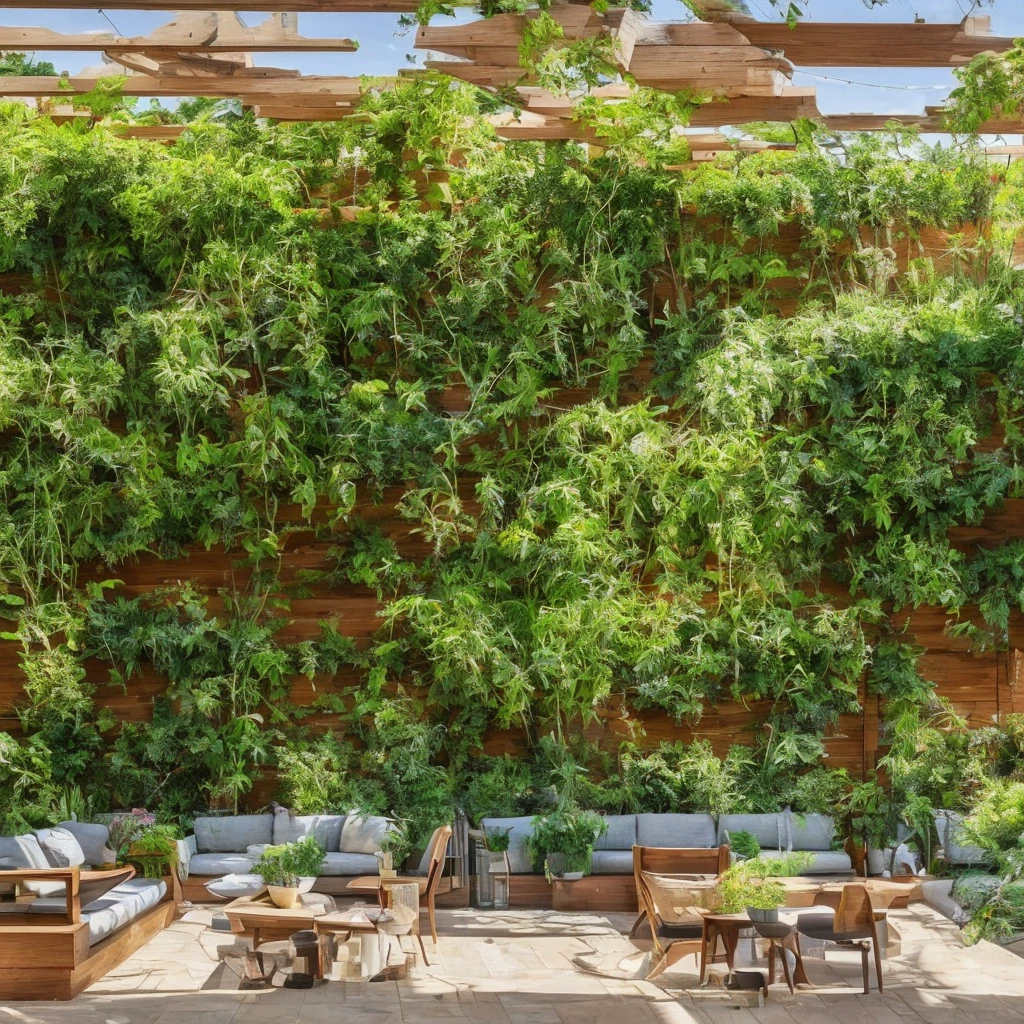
{"x": 854, "y": 910}
{"x": 666, "y": 861}
{"x": 438, "y": 848}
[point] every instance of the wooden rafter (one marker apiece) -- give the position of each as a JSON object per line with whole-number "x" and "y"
{"x": 309, "y": 6}
{"x": 209, "y": 32}
{"x": 873, "y": 44}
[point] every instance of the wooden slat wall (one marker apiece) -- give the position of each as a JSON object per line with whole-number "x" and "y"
{"x": 981, "y": 687}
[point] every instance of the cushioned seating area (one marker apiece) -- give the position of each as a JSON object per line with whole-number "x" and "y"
{"x": 220, "y": 864}
{"x": 612, "y": 862}
{"x": 112, "y": 911}
{"x": 349, "y": 864}
{"x": 777, "y": 834}
{"x": 233, "y": 845}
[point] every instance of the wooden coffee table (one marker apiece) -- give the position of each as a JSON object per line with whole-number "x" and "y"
{"x": 258, "y": 918}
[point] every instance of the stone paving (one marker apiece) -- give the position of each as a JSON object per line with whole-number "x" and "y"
{"x": 516, "y": 968}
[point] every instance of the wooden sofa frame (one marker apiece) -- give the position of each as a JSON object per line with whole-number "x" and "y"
{"x": 48, "y": 956}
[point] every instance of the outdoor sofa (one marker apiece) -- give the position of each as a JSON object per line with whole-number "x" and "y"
{"x": 69, "y": 924}
{"x": 777, "y": 834}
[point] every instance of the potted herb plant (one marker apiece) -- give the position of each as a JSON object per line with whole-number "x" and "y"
{"x": 395, "y": 847}
{"x": 564, "y": 841}
{"x": 123, "y": 829}
{"x": 154, "y": 851}
{"x": 745, "y": 887}
{"x": 290, "y": 869}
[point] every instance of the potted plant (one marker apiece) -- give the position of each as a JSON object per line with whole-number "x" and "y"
{"x": 564, "y": 841}
{"x": 874, "y": 820}
{"x": 745, "y": 887}
{"x": 125, "y": 828}
{"x": 154, "y": 851}
{"x": 395, "y": 847}
{"x": 289, "y": 869}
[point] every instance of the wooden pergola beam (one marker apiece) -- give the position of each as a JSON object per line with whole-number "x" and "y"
{"x": 874, "y": 44}
{"x": 308, "y": 6}
{"x": 312, "y": 90}
{"x": 211, "y": 32}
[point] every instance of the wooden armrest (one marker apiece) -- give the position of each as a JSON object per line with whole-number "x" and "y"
{"x": 69, "y": 876}
{"x": 828, "y": 899}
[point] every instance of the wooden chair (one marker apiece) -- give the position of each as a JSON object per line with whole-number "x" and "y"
{"x": 854, "y": 925}
{"x": 660, "y": 860}
{"x": 428, "y": 883}
{"x": 673, "y": 940}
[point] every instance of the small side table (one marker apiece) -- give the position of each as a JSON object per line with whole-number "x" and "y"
{"x": 726, "y": 927}
{"x": 782, "y": 937}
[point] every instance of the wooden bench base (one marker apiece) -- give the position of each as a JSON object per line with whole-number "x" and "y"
{"x": 55, "y": 962}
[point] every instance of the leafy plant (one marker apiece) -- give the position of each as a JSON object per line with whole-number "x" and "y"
{"x": 744, "y": 844}
{"x": 568, "y": 834}
{"x": 286, "y": 863}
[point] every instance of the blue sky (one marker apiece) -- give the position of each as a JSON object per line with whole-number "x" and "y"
{"x": 383, "y": 45}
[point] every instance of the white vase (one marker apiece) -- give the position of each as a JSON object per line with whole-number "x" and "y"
{"x": 283, "y": 896}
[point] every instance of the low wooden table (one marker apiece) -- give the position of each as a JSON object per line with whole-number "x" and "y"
{"x": 258, "y": 918}
{"x": 727, "y": 927}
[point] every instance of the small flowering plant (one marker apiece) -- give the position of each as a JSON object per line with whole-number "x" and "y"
{"x": 124, "y": 828}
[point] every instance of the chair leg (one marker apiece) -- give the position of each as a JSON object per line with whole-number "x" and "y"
{"x": 676, "y": 952}
{"x": 636, "y": 924}
{"x": 423, "y": 949}
{"x": 878, "y": 962}
{"x": 864, "y": 967}
{"x": 771, "y": 961}
{"x": 433, "y": 919}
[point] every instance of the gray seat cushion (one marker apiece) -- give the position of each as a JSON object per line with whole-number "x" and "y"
{"x": 112, "y": 911}
{"x": 520, "y": 830}
{"x": 362, "y": 833}
{"x": 768, "y": 829}
{"x": 612, "y": 862}
{"x": 349, "y": 864}
{"x": 822, "y": 862}
{"x": 205, "y": 864}
{"x": 822, "y": 926}
{"x": 289, "y": 828}
{"x": 233, "y": 834}
{"x": 811, "y": 831}
{"x": 949, "y": 824}
{"x": 621, "y": 834}
{"x": 60, "y": 848}
{"x": 676, "y": 831}
{"x": 94, "y": 839}
{"x": 25, "y": 852}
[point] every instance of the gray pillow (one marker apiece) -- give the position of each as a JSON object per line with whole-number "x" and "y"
{"x": 290, "y": 828}
{"x": 232, "y": 834}
{"x": 93, "y": 839}
{"x": 60, "y": 848}
{"x": 362, "y": 834}
{"x": 25, "y": 852}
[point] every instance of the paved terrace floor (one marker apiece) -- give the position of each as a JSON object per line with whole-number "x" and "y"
{"x": 516, "y": 968}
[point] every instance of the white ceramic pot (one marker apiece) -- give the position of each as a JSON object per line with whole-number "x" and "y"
{"x": 306, "y": 884}
{"x": 878, "y": 861}
{"x": 284, "y": 896}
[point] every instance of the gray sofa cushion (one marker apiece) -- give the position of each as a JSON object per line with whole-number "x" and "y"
{"x": 676, "y": 831}
{"x": 60, "y": 848}
{"x": 233, "y": 834}
{"x": 362, "y": 833}
{"x": 218, "y": 864}
{"x": 289, "y": 828}
{"x": 953, "y": 842}
{"x": 612, "y": 862}
{"x": 823, "y": 862}
{"x": 94, "y": 839}
{"x": 521, "y": 829}
{"x": 120, "y": 906}
{"x": 769, "y": 829}
{"x": 25, "y": 852}
{"x": 349, "y": 864}
{"x": 621, "y": 834}
{"x": 811, "y": 832}
{"x": 113, "y": 910}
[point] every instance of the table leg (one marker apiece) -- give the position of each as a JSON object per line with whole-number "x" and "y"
{"x": 730, "y": 939}
{"x": 705, "y": 930}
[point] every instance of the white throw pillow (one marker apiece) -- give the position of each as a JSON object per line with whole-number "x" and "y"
{"x": 363, "y": 833}
{"x": 60, "y": 848}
